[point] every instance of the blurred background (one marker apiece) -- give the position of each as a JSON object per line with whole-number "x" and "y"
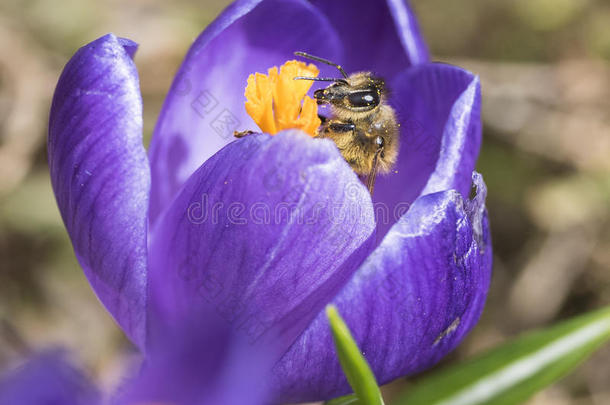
{"x": 545, "y": 73}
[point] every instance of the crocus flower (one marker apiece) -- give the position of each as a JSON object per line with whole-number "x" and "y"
{"x": 190, "y": 365}
{"x": 198, "y": 363}
{"x": 267, "y": 230}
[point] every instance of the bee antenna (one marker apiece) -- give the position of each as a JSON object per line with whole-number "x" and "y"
{"x": 321, "y": 79}
{"x": 322, "y": 60}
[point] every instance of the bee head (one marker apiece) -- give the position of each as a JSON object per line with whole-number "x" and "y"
{"x": 360, "y": 92}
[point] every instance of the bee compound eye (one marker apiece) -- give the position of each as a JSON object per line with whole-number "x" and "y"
{"x": 379, "y": 141}
{"x": 363, "y": 98}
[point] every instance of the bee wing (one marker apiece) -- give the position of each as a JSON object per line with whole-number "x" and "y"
{"x": 370, "y": 180}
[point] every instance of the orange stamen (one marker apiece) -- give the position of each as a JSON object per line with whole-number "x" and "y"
{"x": 276, "y": 101}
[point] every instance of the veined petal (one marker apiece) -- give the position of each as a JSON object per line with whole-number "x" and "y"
{"x": 265, "y": 233}
{"x": 409, "y": 304}
{"x": 439, "y": 109}
{"x": 100, "y": 174}
{"x": 205, "y": 104}
{"x": 409, "y": 32}
{"x": 47, "y": 378}
{"x": 200, "y": 363}
{"x": 379, "y": 36}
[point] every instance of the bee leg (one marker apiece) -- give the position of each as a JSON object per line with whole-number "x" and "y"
{"x": 341, "y": 127}
{"x": 370, "y": 180}
{"x": 323, "y": 119}
{"x": 241, "y": 134}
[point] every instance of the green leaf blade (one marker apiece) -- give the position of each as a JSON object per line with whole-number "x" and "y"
{"x": 355, "y": 367}
{"x": 346, "y": 400}
{"x": 513, "y": 372}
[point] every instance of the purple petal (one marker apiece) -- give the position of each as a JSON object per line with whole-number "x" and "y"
{"x": 100, "y": 174}
{"x": 197, "y": 363}
{"x": 265, "y": 232}
{"x": 47, "y": 379}
{"x": 206, "y": 102}
{"x": 410, "y": 303}
{"x": 376, "y": 36}
{"x": 439, "y": 109}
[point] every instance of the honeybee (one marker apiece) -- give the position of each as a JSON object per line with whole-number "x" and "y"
{"x": 362, "y": 125}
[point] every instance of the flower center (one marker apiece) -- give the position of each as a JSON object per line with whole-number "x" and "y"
{"x": 276, "y": 101}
